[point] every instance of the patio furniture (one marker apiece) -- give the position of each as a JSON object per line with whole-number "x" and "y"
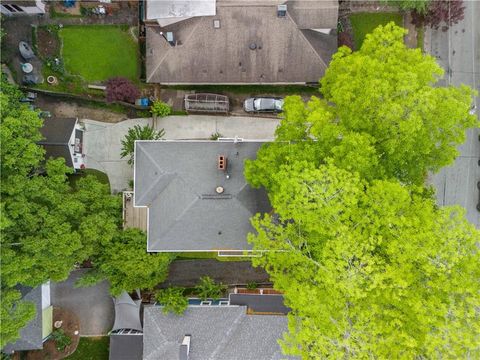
{"x": 25, "y": 50}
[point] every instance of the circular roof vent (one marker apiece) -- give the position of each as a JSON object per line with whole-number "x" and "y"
{"x": 252, "y": 46}
{"x": 219, "y": 189}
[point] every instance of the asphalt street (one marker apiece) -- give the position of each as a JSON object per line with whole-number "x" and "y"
{"x": 458, "y": 52}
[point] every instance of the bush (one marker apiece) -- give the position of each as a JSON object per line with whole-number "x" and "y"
{"x": 172, "y": 300}
{"x": 160, "y": 109}
{"x": 61, "y": 339}
{"x": 138, "y": 133}
{"x": 207, "y": 289}
{"x": 121, "y": 89}
{"x": 215, "y": 136}
{"x": 252, "y": 285}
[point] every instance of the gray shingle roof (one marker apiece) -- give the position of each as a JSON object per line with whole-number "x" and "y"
{"x": 177, "y": 181}
{"x": 218, "y": 332}
{"x": 126, "y": 347}
{"x": 30, "y": 335}
{"x": 57, "y": 133}
{"x": 205, "y": 54}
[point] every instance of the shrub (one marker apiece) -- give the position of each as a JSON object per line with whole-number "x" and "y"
{"x": 121, "y": 89}
{"x": 138, "y": 133}
{"x": 252, "y": 285}
{"x": 172, "y": 300}
{"x": 215, "y": 136}
{"x": 61, "y": 339}
{"x": 160, "y": 109}
{"x": 207, "y": 288}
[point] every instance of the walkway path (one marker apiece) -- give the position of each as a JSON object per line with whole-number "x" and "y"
{"x": 103, "y": 140}
{"x": 187, "y": 273}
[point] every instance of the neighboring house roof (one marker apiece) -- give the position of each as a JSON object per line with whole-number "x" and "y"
{"x": 126, "y": 347}
{"x": 177, "y": 180}
{"x": 170, "y": 11}
{"x": 31, "y": 334}
{"x": 260, "y": 303}
{"x": 205, "y": 54}
{"x": 127, "y": 313}
{"x": 217, "y": 332}
{"x": 57, "y": 133}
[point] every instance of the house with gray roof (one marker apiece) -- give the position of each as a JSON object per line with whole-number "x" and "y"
{"x": 39, "y": 328}
{"x": 63, "y": 138}
{"x": 239, "y": 41}
{"x": 196, "y": 195}
{"x": 223, "y": 332}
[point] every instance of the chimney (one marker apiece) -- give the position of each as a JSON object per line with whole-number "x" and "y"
{"x": 282, "y": 11}
{"x": 222, "y": 162}
{"x": 185, "y": 347}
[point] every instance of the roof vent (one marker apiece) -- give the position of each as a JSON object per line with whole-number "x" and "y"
{"x": 222, "y": 162}
{"x": 185, "y": 347}
{"x": 169, "y": 37}
{"x": 282, "y": 10}
{"x": 252, "y": 46}
{"x": 219, "y": 189}
{"x": 216, "y": 24}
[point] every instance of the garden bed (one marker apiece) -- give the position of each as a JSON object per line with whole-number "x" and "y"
{"x": 70, "y": 325}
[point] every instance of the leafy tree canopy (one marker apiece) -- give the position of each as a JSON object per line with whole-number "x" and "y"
{"x": 369, "y": 265}
{"x": 138, "y": 133}
{"x": 418, "y": 5}
{"x": 381, "y": 116}
{"x": 370, "y": 270}
{"x": 127, "y": 265}
{"x": 46, "y": 226}
{"x": 173, "y": 300}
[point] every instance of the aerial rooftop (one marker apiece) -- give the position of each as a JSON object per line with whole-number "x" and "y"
{"x": 244, "y": 42}
{"x": 217, "y": 332}
{"x": 196, "y": 194}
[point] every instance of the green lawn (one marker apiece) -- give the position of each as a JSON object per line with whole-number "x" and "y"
{"x": 91, "y": 348}
{"x": 365, "y": 23}
{"x": 98, "y": 52}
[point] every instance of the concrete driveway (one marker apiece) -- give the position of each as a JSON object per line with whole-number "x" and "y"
{"x": 93, "y": 305}
{"x": 102, "y": 144}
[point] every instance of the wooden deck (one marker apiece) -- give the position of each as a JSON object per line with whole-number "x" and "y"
{"x": 133, "y": 217}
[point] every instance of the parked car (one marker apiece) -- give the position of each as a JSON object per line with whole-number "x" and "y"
{"x": 263, "y": 104}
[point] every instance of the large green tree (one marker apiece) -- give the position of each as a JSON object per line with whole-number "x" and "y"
{"x": 381, "y": 116}
{"x": 46, "y": 226}
{"x": 370, "y": 270}
{"x": 127, "y": 265}
{"x": 369, "y": 265}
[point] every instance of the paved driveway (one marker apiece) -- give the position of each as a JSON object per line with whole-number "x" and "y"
{"x": 103, "y": 140}
{"x": 93, "y": 305}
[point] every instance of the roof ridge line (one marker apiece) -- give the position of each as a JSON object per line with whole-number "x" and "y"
{"x": 226, "y": 336}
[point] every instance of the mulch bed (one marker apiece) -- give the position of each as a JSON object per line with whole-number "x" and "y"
{"x": 70, "y": 325}
{"x": 48, "y": 43}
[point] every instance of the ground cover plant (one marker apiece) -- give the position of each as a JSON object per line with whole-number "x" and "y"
{"x": 97, "y": 52}
{"x": 91, "y": 348}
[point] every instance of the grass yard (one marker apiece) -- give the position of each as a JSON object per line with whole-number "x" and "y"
{"x": 98, "y": 53}
{"x": 91, "y": 348}
{"x": 365, "y": 23}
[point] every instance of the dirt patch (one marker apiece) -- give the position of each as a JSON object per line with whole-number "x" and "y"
{"x": 70, "y": 325}
{"x": 48, "y": 43}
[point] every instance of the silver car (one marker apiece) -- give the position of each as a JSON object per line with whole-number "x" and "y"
{"x": 263, "y": 104}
